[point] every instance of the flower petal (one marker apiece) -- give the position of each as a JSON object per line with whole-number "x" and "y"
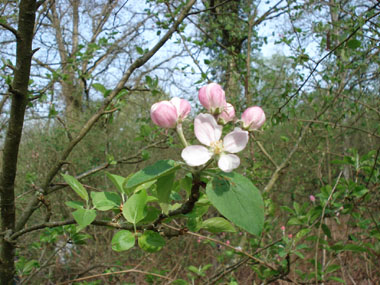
{"x": 253, "y": 118}
{"x": 164, "y": 114}
{"x": 235, "y": 141}
{"x": 183, "y": 107}
{"x": 228, "y": 162}
{"x": 227, "y": 115}
{"x": 206, "y": 129}
{"x": 196, "y": 155}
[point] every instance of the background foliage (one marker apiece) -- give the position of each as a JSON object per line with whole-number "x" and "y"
{"x": 313, "y": 67}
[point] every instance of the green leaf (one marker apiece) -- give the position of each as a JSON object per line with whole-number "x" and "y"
{"x": 152, "y": 214}
{"x": 217, "y": 225}
{"x": 76, "y": 186}
{"x": 237, "y": 199}
{"x": 294, "y": 221}
{"x": 334, "y": 278}
{"x": 29, "y": 266}
{"x": 118, "y": 181}
{"x": 134, "y": 210}
{"x": 123, "y": 240}
{"x": 152, "y": 172}
{"x": 105, "y": 201}
{"x": 80, "y": 238}
{"x": 194, "y": 224}
{"x": 145, "y": 186}
{"x": 139, "y": 50}
{"x": 354, "y": 44}
{"x": 298, "y": 253}
{"x": 75, "y": 204}
{"x": 84, "y": 217}
{"x": 332, "y": 268}
{"x": 99, "y": 87}
{"x": 164, "y": 187}
{"x": 179, "y": 282}
{"x": 302, "y": 233}
{"x": 354, "y": 247}
{"x": 326, "y": 230}
{"x": 151, "y": 241}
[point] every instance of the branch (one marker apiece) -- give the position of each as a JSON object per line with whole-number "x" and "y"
{"x": 117, "y": 272}
{"x": 90, "y": 123}
{"x": 266, "y": 14}
{"x": 247, "y": 95}
{"x": 11, "y": 29}
{"x": 263, "y": 150}
{"x": 364, "y": 104}
{"x": 3, "y": 100}
{"x": 342, "y": 126}
{"x": 262, "y": 262}
{"x": 276, "y": 173}
{"x": 41, "y": 226}
{"x": 188, "y": 206}
{"x": 328, "y": 54}
{"x": 227, "y": 270}
{"x": 196, "y": 62}
{"x": 211, "y": 8}
{"x": 320, "y": 226}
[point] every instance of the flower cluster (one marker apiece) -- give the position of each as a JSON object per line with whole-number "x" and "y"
{"x": 208, "y": 127}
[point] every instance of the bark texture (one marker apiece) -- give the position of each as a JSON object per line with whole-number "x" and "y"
{"x": 19, "y": 94}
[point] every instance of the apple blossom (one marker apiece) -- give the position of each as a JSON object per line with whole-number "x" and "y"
{"x": 253, "y": 118}
{"x": 183, "y": 107}
{"x": 212, "y": 97}
{"x": 227, "y": 115}
{"x": 208, "y": 132}
{"x": 167, "y": 114}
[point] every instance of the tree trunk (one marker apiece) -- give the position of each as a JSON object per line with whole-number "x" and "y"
{"x": 19, "y": 92}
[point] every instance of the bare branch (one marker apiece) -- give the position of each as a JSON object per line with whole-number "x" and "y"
{"x": 89, "y": 124}
{"x": 118, "y": 272}
{"x": 263, "y": 150}
{"x": 11, "y": 29}
{"x": 327, "y": 55}
{"x": 342, "y": 126}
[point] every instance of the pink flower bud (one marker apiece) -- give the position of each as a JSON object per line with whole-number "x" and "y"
{"x": 183, "y": 107}
{"x": 312, "y": 198}
{"x": 290, "y": 236}
{"x": 283, "y": 228}
{"x": 227, "y": 115}
{"x": 212, "y": 97}
{"x": 228, "y": 242}
{"x": 167, "y": 114}
{"x": 253, "y": 118}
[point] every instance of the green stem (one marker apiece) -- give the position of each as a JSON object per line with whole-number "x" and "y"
{"x": 181, "y": 136}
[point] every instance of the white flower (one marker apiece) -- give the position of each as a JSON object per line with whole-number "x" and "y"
{"x": 208, "y": 132}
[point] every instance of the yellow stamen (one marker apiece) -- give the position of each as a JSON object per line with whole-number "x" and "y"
{"x": 217, "y": 147}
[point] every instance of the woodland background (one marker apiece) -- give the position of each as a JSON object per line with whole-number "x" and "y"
{"x": 77, "y": 80}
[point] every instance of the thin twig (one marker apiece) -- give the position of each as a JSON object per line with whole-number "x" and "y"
{"x": 11, "y": 29}
{"x": 30, "y": 208}
{"x": 266, "y": 154}
{"x": 341, "y": 126}
{"x": 328, "y": 54}
{"x": 224, "y": 244}
{"x": 115, "y": 273}
{"x": 320, "y": 227}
